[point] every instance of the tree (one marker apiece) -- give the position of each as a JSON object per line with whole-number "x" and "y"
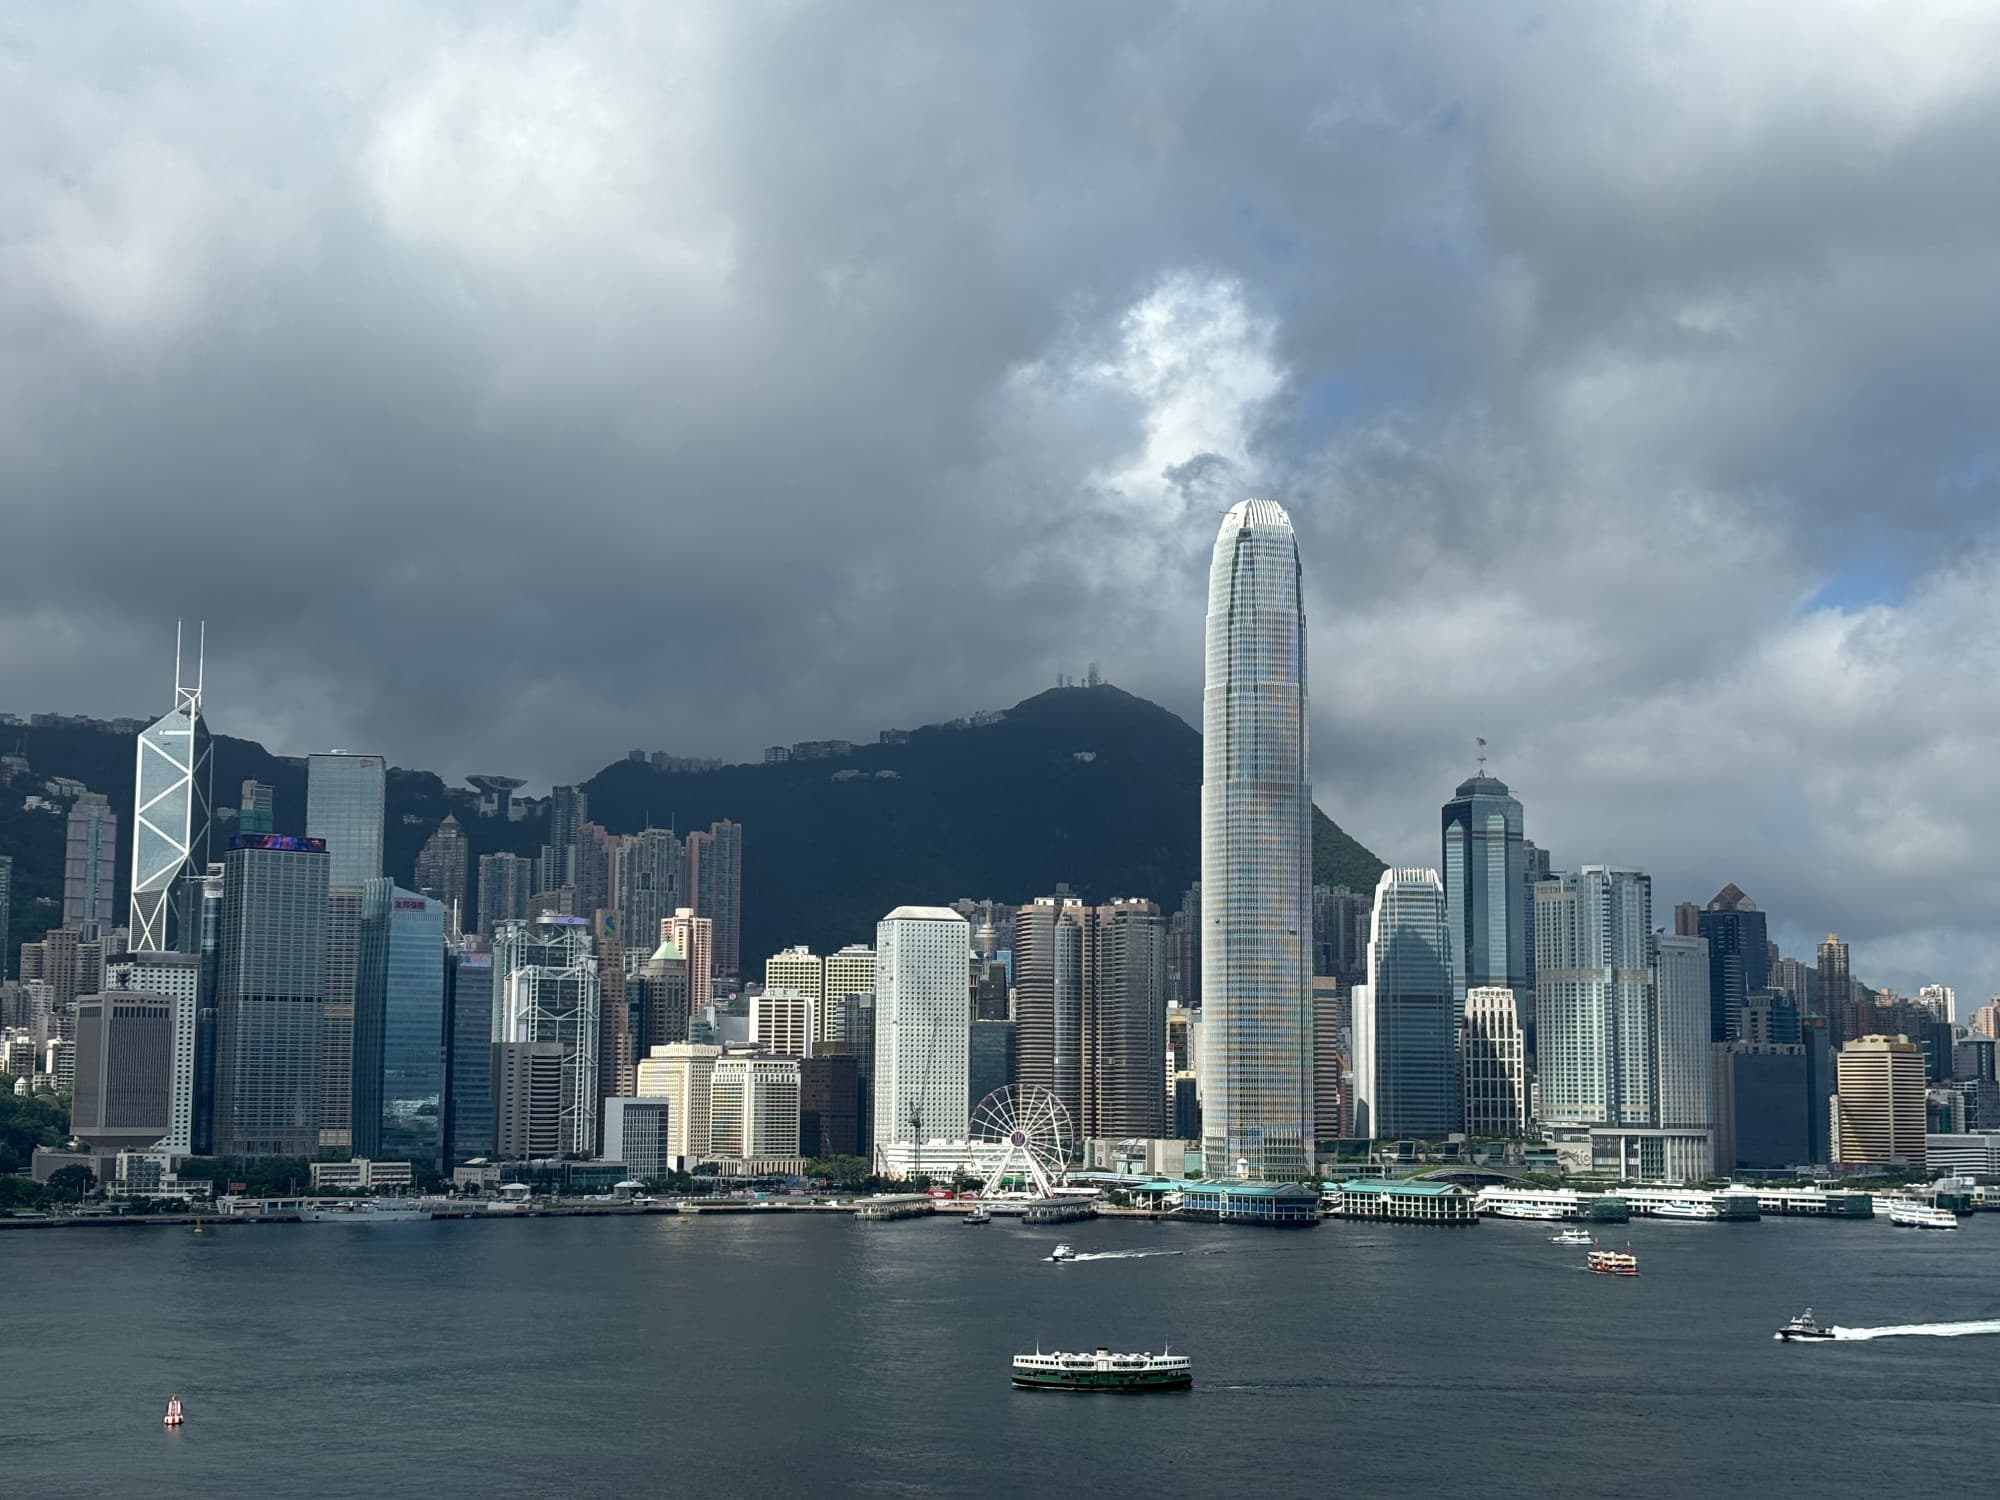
{"x": 28, "y": 1121}
{"x": 71, "y": 1184}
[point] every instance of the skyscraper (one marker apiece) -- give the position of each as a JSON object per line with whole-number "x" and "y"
{"x": 1739, "y": 960}
{"x": 569, "y": 810}
{"x": 1495, "y": 1067}
{"x": 679, "y": 1072}
{"x": 1836, "y": 987}
{"x": 1406, "y": 1078}
{"x": 753, "y": 1110}
{"x": 798, "y": 969}
{"x": 546, "y": 991}
{"x": 726, "y": 848}
{"x": 343, "y": 974}
{"x": 176, "y": 978}
{"x": 346, "y": 796}
{"x": 1184, "y": 950}
{"x": 1682, "y": 1016}
{"x": 6, "y": 908}
{"x": 923, "y": 1019}
{"x": 693, "y": 938}
{"x": 254, "y": 810}
{"x": 784, "y": 1022}
{"x": 1124, "y": 1058}
{"x": 271, "y": 995}
{"x": 123, "y": 1080}
{"x": 90, "y": 867}
{"x": 170, "y": 818}
{"x": 1878, "y": 1108}
{"x": 993, "y": 1058}
{"x": 1485, "y": 887}
{"x": 506, "y": 890}
{"x": 443, "y": 863}
{"x": 1256, "y": 855}
{"x": 399, "y": 1026}
{"x": 1593, "y": 996}
{"x": 663, "y": 1000}
{"x": 1051, "y": 961}
{"x": 468, "y": 1112}
{"x": 712, "y": 887}
{"x": 850, "y": 975}
{"x": 649, "y": 883}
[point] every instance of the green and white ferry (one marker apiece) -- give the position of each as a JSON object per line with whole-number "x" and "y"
{"x": 1103, "y": 1371}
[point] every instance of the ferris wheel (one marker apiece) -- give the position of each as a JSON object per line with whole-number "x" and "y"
{"x": 1034, "y": 1127}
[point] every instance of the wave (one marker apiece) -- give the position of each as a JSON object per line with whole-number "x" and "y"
{"x": 1919, "y": 1330}
{"x": 1124, "y": 1254}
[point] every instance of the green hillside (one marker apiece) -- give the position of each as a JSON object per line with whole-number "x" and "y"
{"x": 1089, "y": 786}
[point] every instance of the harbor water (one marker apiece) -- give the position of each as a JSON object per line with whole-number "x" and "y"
{"x": 768, "y": 1355}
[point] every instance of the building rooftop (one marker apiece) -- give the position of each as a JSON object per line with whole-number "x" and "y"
{"x": 924, "y": 914}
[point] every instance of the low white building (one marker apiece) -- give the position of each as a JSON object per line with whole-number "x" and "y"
{"x": 1969, "y": 1153}
{"x": 940, "y": 1159}
{"x": 1649, "y": 1154}
{"x": 359, "y": 1173}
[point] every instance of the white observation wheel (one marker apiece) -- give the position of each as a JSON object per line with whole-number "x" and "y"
{"x": 1034, "y": 1127}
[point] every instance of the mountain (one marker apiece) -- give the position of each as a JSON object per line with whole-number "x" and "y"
{"x": 1085, "y": 785}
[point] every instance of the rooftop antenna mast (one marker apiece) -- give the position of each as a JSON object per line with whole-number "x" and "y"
{"x": 1482, "y": 753}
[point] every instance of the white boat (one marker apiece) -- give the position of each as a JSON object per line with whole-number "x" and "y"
{"x": 1803, "y": 1327}
{"x": 1571, "y": 1236}
{"x": 1507, "y": 1209}
{"x": 1909, "y": 1214}
{"x": 364, "y": 1211}
{"x": 1686, "y": 1208}
{"x": 977, "y": 1216}
{"x": 1063, "y": 1252}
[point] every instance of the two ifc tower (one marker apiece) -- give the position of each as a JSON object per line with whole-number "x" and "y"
{"x": 1256, "y": 856}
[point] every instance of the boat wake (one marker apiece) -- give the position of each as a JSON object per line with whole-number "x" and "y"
{"x": 1918, "y": 1330}
{"x": 1124, "y": 1254}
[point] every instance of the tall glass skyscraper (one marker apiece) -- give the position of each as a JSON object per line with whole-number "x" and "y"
{"x": 399, "y": 1026}
{"x": 90, "y": 867}
{"x": 270, "y": 994}
{"x": 1739, "y": 957}
{"x": 468, "y": 1115}
{"x": 1256, "y": 856}
{"x": 1485, "y": 889}
{"x": 546, "y": 989}
{"x": 170, "y": 817}
{"x": 345, "y": 799}
{"x": 1406, "y": 1078}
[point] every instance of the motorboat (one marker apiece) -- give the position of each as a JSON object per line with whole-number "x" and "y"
{"x": 977, "y": 1216}
{"x": 1571, "y": 1236}
{"x": 1063, "y": 1252}
{"x": 1803, "y": 1327}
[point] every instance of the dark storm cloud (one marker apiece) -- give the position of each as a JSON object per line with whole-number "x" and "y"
{"x": 512, "y": 386}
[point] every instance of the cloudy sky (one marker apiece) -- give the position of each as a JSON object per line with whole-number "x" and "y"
{"x": 512, "y": 385}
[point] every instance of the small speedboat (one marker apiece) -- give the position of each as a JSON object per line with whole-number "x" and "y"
{"x": 977, "y": 1216}
{"x": 1063, "y": 1252}
{"x": 1803, "y": 1327}
{"x": 173, "y": 1418}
